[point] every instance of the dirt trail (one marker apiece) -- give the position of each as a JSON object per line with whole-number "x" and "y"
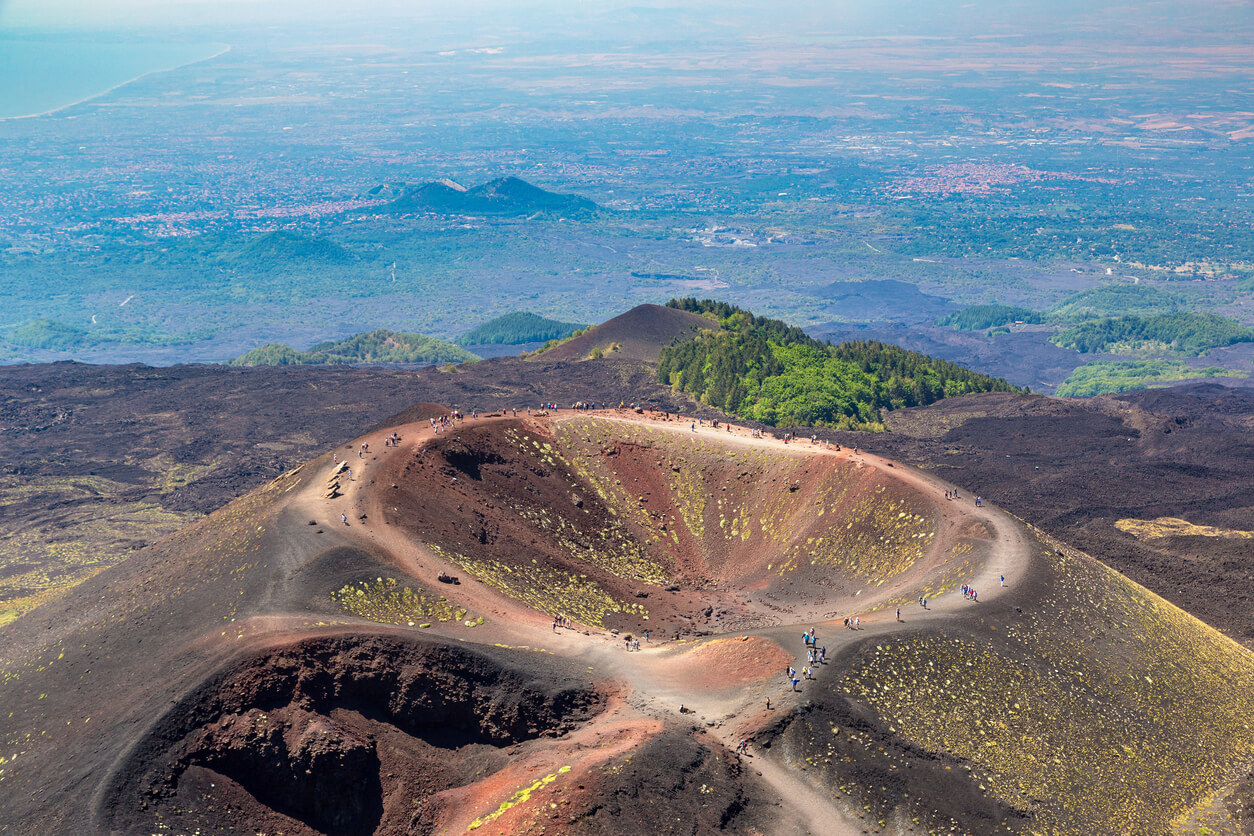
{"x": 729, "y": 714}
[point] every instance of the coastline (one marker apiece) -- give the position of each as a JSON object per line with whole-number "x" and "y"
{"x": 118, "y": 86}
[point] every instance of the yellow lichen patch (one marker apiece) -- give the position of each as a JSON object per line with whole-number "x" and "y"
{"x": 384, "y": 600}
{"x": 546, "y": 590}
{"x": 690, "y": 498}
{"x": 611, "y": 547}
{"x": 520, "y": 797}
{"x": 880, "y": 538}
{"x": 1104, "y": 710}
{"x": 1176, "y": 527}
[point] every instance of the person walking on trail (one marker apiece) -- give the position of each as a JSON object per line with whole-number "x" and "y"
{"x": 1003, "y": 580}
{"x": 694, "y": 426}
{"x": 899, "y": 615}
{"x": 344, "y": 518}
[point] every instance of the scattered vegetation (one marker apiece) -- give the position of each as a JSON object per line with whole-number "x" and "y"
{"x": 546, "y": 590}
{"x": 881, "y": 538}
{"x": 979, "y": 317}
{"x": 771, "y": 372}
{"x": 516, "y": 328}
{"x": 1106, "y": 709}
{"x": 554, "y": 343}
{"x": 1125, "y": 375}
{"x": 382, "y": 346}
{"x": 97, "y": 524}
{"x": 384, "y": 600}
{"x": 1185, "y": 333}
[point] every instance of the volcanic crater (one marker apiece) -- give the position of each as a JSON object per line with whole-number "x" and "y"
{"x": 592, "y": 623}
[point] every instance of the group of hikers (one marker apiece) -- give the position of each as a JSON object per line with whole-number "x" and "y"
{"x": 815, "y": 441}
{"x": 979, "y": 500}
{"x": 442, "y": 423}
{"x": 815, "y": 655}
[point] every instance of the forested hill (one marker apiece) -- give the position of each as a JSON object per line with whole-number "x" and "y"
{"x": 772, "y": 372}
{"x": 517, "y": 328}
{"x": 374, "y": 347}
{"x": 1185, "y": 333}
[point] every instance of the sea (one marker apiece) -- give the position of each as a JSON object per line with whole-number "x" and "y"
{"x": 38, "y": 76}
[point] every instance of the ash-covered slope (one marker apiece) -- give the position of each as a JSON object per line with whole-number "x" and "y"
{"x": 638, "y": 334}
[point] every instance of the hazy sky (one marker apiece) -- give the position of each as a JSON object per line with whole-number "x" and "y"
{"x": 632, "y": 19}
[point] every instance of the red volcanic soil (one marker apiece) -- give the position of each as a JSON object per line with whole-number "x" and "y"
{"x": 638, "y": 334}
{"x": 702, "y": 532}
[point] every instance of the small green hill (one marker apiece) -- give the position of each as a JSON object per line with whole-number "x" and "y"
{"x": 46, "y": 334}
{"x": 375, "y": 347}
{"x": 517, "y": 328}
{"x": 507, "y": 196}
{"x": 1184, "y": 333}
{"x": 979, "y": 317}
{"x": 1115, "y": 300}
{"x": 775, "y": 373}
{"x": 283, "y": 246}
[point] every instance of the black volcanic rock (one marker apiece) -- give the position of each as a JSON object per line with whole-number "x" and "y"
{"x": 884, "y": 299}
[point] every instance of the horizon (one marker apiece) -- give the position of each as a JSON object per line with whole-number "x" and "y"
{"x": 1165, "y": 21}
